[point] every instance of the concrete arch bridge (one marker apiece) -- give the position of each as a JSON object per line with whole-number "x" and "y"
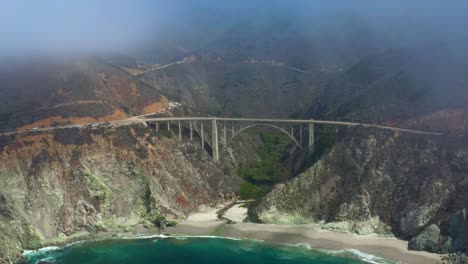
{"x": 300, "y": 131}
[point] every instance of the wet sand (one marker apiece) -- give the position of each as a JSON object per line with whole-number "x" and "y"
{"x": 389, "y": 248}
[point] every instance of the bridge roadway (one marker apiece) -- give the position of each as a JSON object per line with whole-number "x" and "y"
{"x": 259, "y": 120}
{"x": 289, "y": 121}
{"x": 269, "y": 122}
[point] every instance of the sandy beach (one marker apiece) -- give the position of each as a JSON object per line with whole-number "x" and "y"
{"x": 207, "y": 223}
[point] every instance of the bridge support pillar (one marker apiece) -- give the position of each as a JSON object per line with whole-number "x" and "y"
{"x": 300, "y": 135}
{"x": 180, "y": 132}
{"x": 157, "y": 127}
{"x": 168, "y": 126}
{"x": 202, "y": 136}
{"x": 191, "y": 131}
{"x": 311, "y": 138}
{"x": 224, "y": 134}
{"x": 214, "y": 126}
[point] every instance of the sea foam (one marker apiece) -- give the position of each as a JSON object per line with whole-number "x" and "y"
{"x": 369, "y": 258}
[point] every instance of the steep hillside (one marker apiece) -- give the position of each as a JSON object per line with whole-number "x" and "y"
{"x": 55, "y": 186}
{"x": 400, "y": 86}
{"x": 249, "y": 88}
{"x": 374, "y": 181}
{"x": 269, "y": 65}
{"x": 72, "y": 90}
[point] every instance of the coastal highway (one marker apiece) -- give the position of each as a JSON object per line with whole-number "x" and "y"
{"x": 144, "y": 120}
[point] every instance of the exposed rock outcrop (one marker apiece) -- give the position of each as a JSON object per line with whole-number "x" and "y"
{"x": 54, "y": 186}
{"x": 426, "y": 240}
{"x": 382, "y": 182}
{"x": 456, "y": 228}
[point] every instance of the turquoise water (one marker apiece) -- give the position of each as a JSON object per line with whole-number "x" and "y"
{"x": 186, "y": 250}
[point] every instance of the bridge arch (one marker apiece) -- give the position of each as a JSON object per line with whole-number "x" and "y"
{"x": 265, "y": 125}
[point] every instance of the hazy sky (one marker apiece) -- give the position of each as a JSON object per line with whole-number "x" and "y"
{"x": 65, "y": 26}
{"x": 85, "y": 25}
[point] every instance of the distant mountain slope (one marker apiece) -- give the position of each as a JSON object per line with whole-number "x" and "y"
{"x": 247, "y": 88}
{"x": 83, "y": 90}
{"x": 275, "y": 65}
{"x": 398, "y": 85}
{"x": 266, "y": 66}
{"x": 303, "y": 43}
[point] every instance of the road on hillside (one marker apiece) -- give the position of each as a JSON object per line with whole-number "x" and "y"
{"x": 143, "y": 119}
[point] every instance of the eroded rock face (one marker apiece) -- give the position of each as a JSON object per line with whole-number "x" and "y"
{"x": 53, "y": 186}
{"x": 426, "y": 240}
{"x": 456, "y": 228}
{"x": 382, "y": 182}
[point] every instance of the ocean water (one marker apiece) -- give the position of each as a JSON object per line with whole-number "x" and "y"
{"x": 174, "y": 250}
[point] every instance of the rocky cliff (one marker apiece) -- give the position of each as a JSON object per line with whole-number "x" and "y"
{"x": 56, "y": 185}
{"x": 411, "y": 186}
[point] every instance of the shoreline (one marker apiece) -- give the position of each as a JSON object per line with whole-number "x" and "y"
{"x": 211, "y": 223}
{"x": 389, "y": 248}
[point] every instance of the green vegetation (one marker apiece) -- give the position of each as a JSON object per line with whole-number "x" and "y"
{"x": 156, "y": 219}
{"x": 325, "y": 139}
{"x": 251, "y": 191}
{"x": 97, "y": 188}
{"x": 261, "y": 175}
{"x": 31, "y": 238}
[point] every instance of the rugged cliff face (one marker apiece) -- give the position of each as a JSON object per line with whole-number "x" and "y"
{"x": 54, "y": 186}
{"x": 375, "y": 181}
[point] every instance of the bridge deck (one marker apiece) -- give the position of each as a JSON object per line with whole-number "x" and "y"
{"x": 290, "y": 121}
{"x": 257, "y": 120}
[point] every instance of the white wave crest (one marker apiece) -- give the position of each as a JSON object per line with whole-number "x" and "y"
{"x": 41, "y": 250}
{"x": 304, "y": 245}
{"x": 190, "y": 236}
{"x": 360, "y": 255}
{"x": 367, "y": 257}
